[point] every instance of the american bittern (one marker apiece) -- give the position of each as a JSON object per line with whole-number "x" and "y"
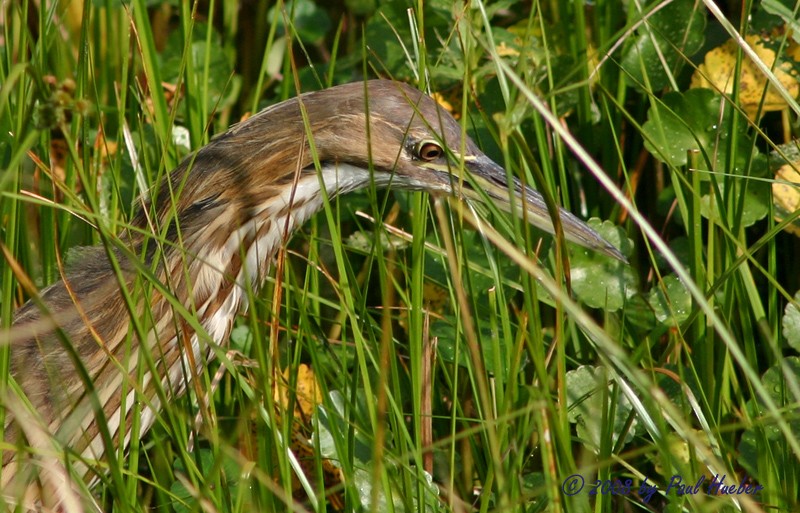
{"x": 224, "y": 211}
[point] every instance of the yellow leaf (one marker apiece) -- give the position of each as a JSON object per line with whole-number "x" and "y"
{"x": 307, "y": 394}
{"x": 442, "y": 101}
{"x": 436, "y": 297}
{"x": 719, "y": 65}
{"x": 786, "y": 195}
{"x": 503, "y": 50}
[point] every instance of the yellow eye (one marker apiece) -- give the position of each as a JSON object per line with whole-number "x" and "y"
{"x": 429, "y": 151}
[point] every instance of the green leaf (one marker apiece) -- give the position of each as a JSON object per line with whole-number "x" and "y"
{"x": 377, "y": 500}
{"x": 391, "y": 44}
{"x": 208, "y": 466}
{"x": 598, "y": 280}
{"x": 755, "y": 207}
{"x": 668, "y": 37}
{"x": 670, "y": 301}
{"x": 481, "y": 261}
{"x": 691, "y": 121}
{"x": 791, "y": 323}
{"x": 361, "y": 7}
{"x": 696, "y": 121}
{"x": 309, "y": 21}
{"x": 218, "y": 83}
{"x": 786, "y": 12}
{"x": 534, "y": 484}
{"x": 678, "y": 245}
{"x": 242, "y": 338}
{"x": 639, "y": 314}
{"x": 590, "y": 399}
{"x": 767, "y": 438}
{"x": 332, "y": 423}
{"x": 451, "y": 347}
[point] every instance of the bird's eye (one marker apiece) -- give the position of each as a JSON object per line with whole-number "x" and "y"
{"x": 429, "y": 151}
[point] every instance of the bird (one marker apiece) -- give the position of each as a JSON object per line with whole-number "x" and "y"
{"x": 78, "y": 347}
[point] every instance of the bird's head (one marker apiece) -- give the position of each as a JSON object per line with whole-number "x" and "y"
{"x": 381, "y": 132}
{"x": 411, "y": 142}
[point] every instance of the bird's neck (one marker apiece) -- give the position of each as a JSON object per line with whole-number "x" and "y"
{"x": 220, "y": 277}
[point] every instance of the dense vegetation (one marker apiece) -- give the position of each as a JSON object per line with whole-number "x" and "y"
{"x": 440, "y": 366}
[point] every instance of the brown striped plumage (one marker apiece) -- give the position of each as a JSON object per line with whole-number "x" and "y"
{"x": 223, "y": 213}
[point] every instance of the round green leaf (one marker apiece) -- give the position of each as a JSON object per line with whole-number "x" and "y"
{"x": 220, "y": 81}
{"x": 452, "y": 349}
{"x": 768, "y": 437}
{"x": 598, "y": 280}
{"x": 670, "y": 35}
{"x": 308, "y": 20}
{"x": 670, "y": 301}
{"x": 228, "y": 469}
{"x": 791, "y": 323}
{"x": 590, "y": 400}
{"x": 683, "y": 122}
{"x": 756, "y": 204}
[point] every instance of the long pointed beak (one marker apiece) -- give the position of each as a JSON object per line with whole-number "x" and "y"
{"x": 491, "y": 179}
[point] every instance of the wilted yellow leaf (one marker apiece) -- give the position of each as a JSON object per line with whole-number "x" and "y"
{"x": 786, "y": 195}
{"x": 440, "y": 99}
{"x": 503, "y": 50}
{"x": 307, "y": 394}
{"x": 719, "y": 64}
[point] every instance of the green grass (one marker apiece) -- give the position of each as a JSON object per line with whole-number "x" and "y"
{"x": 462, "y": 365}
